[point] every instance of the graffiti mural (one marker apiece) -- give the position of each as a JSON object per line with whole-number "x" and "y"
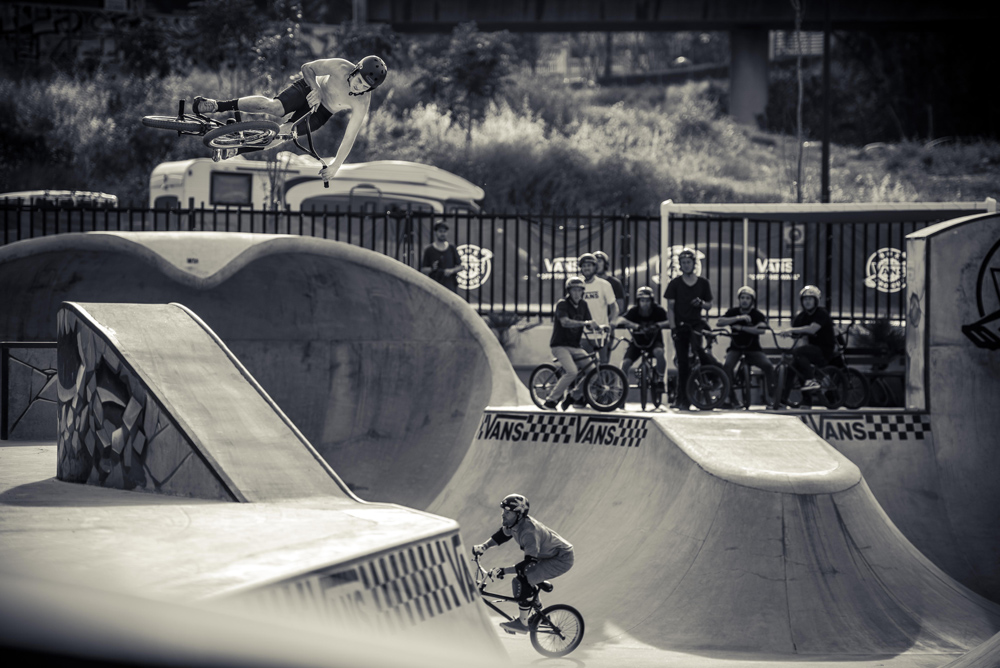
{"x": 112, "y": 432}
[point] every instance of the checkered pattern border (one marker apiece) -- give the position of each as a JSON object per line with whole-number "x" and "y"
{"x": 632, "y": 432}
{"x": 550, "y": 428}
{"x": 898, "y": 426}
{"x": 563, "y": 429}
{"x": 390, "y": 592}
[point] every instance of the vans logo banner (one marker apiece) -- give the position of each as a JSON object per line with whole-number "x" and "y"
{"x": 871, "y": 427}
{"x": 548, "y": 428}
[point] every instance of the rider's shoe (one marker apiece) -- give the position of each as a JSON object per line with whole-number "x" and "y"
{"x": 566, "y": 403}
{"x": 204, "y": 105}
{"x": 810, "y": 386}
{"x": 550, "y": 405}
{"x": 514, "y": 626}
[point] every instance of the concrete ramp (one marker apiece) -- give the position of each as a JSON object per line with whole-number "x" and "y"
{"x": 150, "y": 398}
{"x": 708, "y": 533}
{"x": 384, "y": 371}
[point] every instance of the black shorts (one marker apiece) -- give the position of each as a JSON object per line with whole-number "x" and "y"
{"x": 634, "y": 352}
{"x": 293, "y": 99}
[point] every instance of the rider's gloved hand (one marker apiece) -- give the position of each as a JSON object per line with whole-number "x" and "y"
{"x": 479, "y": 550}
{"x": 496, "y": 573}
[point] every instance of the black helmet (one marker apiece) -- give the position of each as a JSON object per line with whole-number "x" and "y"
{"x": 373, "y": 71}
{"x": 515, "y": 502}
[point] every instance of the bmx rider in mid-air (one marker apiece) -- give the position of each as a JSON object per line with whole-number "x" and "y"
{"x": 326, "y": 87}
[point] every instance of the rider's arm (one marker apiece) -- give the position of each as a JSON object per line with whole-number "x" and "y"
{"x": 318, "y": 68}
{"x": 811, "y": 328}
{"x": 670, "y": 314}
{"x": 358, "y": 114}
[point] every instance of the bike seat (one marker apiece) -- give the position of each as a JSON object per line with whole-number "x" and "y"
{"x": 545, "y": 586}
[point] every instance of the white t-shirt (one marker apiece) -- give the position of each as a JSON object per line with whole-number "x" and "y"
{"x": 599, "y": 295}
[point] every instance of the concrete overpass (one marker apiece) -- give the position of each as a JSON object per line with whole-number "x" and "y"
{"x": 747, "y": 22}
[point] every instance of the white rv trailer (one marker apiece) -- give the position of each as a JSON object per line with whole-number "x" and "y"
{"x": 292, "y": 183}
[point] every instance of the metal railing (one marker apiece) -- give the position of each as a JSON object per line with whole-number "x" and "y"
{"x": 517, "y": 263}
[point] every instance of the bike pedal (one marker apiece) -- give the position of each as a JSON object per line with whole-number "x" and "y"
{"x": 510, "y": 633}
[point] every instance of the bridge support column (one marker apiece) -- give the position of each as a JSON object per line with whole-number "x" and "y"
{"x": 748, "y": 51}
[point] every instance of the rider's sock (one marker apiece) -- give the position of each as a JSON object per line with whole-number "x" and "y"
{"x": 525, "y": 612}
{"x": 228, "y": 105}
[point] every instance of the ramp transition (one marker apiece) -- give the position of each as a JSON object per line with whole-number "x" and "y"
{"x": 709, "y": 533}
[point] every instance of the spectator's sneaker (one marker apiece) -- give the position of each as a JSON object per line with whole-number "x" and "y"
{"x": 204, "y": 105}
{"x": 515, "y": 626}
{"x": 580, "y": 403}
{"x": 550, "y": 405}
{"x": 810, "y": 386}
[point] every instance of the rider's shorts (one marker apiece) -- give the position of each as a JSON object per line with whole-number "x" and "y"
{"x": 634, "y": 352}
{"x": 546, "y": 569}
{"x": 293, "y": 99}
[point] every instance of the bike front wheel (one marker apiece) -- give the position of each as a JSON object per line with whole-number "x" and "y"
{"x": 543, "y": 378}
{"x": 741, "y": 384}
{"x": 172, "y": 123}
{"x": 833, "y": 384}
{"x": 708, "y": 387}
{"x": 557, "y": 631}
{"x": 606, "y": 388}
{"x": 643, "y": 385}
{"x": 256, "y": 134}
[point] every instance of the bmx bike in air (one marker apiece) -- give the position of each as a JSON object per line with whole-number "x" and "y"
{"x": 555, "y": 630}
{"x": 234, "y": 133}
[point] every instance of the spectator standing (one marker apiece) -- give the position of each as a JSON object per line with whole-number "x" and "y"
{"x": 687, "y": 296}
{"x": 441, "y": 260}
{"x": 603, "y": 269}
{"x": 600, "y": 298}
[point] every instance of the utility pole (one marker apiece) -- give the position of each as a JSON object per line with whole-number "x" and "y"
{"x": 360, "y": 12}
{"x": 825, "y": 168}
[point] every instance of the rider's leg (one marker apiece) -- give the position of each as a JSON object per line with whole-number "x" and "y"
{"x": 564, "y": 355}
{"x": 682, "y": 342}
{"x": 631, "y": 355}
{"x": 758, "y": 359}
{"x": 732, "y": 357}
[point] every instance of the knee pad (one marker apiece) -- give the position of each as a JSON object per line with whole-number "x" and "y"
{"x": 522, "y": 591}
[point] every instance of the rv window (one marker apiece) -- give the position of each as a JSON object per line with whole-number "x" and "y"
{"x": 231, "y": 189}
{"x": 167, "y": 202}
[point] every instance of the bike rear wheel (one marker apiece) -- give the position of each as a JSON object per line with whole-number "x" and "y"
{"x": 172, "y": 123}
{"x": 543, "y": 378}
{"x": 606, "y": 388}
{"x": 557, "y": 631}
{"x": 857, "y": 391}
{"x": 708, "y": 387}
{"x": 245, "y": 134}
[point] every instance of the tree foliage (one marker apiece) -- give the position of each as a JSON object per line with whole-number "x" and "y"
{"x": 470, "y": 72}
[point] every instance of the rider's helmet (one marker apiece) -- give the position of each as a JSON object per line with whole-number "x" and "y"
{"x": 644, "y": 291}
{"x": 686, "y": 252}
{"x": 575, "y": 282}
{"x": 586, "y": 257}
{"x": 372, "y": 70}
{"x": 601, "y": 255}
{"x": 810, "y": 291}
{"x": 746, "y": 289}
{"x": 515, "y": 502}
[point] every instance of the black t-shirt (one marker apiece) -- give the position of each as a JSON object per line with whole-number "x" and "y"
{"x": 446, "y": 259}
{"x": 616, "y": 285}
{"x": 683, "y": 294}
{"x": 742, "y": 340}
{"x": 568, "y": 336}
{"x": 656, "y": 314}
{"x": 824, "y": 338}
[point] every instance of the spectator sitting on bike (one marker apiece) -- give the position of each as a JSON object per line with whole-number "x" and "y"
{"x": 603, "y": 264}
{"x": 816, "y": 324}
{"x": 645, "y": 320}
{"x": 747, "y": 324}
{"x": 326, "y": 87}
{"x": 546, "y": 555}
{"x": 572, "y": 315}
{"x": 600, "y": 298}
{"x": 687, "y": 295}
